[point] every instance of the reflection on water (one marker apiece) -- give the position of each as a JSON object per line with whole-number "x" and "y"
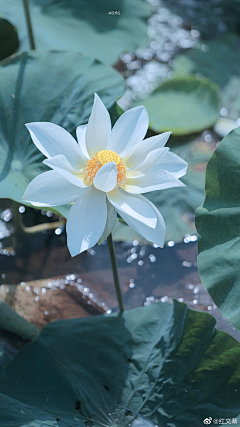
{"x": 52, "y": 285}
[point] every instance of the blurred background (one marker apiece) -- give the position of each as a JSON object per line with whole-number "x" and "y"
{"x": 181, "y": 59}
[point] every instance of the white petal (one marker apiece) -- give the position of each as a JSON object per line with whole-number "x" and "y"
{"x": 156, "y": 235}
{"x": 51, "y": 189}
{"x": 135, "y": 207}
{"x": 81, "y": 137}
{"x": 86, "y": 221}
{"x": 111, "y": 222}
{"x": 99, "y": 128}
{"x": 149, "y": 161}
{"x": 61, "y": 165}
{"x": 172, "y": 163}
{"x": 152, "y": 181}
{"x": 138, "y": 153}
{"x": 52, "y": 140}
{"x": 129, "y": 129}
{"x": 106, "y": 177}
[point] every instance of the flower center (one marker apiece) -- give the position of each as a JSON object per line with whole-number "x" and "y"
{"x": 100, "y": 159}
{"x": 106, "y": 156}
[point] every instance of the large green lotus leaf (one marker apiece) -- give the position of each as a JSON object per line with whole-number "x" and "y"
{"x": 161, "y": 365}
{"x": 183, "y": 105}
{"x": 177, "y": 205}
{"x": 18, "y": 414}
{"x": 82, "y": 25}
{"x": 49, "y": 86}
{"x": 218, "y": 224}
{"x": 219, "y": 60}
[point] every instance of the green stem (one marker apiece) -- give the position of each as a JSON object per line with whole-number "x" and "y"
{"x": 29, "y": 24}
{"x": 115, "y": 272}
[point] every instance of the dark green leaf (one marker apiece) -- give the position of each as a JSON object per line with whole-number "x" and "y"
{"x": 82, "y": 25}
{"x": 9, "y": 39}
{"x": 218, "y": 225}
{"x": 47, "y": 86}
{"x": 183, "y": 105}
{"x": 161, "y": 365}
{"x": 18, "y": 414}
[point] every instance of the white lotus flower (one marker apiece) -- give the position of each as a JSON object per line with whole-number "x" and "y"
{"x": 103, "y": 174}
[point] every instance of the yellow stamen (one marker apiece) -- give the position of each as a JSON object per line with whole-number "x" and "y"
{"x": 106, "y": 156}
{"x": 96, "y": 162}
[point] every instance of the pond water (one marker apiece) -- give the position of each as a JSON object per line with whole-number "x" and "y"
{"x": 42, "y": 282}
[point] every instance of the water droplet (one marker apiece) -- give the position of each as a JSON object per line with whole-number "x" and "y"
{"x": 147, "y": 55}
{"x": 171, "y": 243}
{"x": 205, "y": 48}
{"x": 195, "y": 301}
{"x": 172, "y": 75}
{"x": 92, "y": 252}
{"x": 126, "y": 57}
{"x": 186, "y": 44}
{"x": 109, "y": 311}
{"x": 190, "y": 286}
{"x": 21, "y": 209}
{"x": 164, "y": 299}
{"x": 6, "y": 215}
{"x": 223, "y": 111}
{"x": 58, "y": 231}
{"x": 71, "y": 277}
{"x": 140, "y": 263}
{"x": 186, "y": 264}
{"x": 195, "y": 33}
{"x": 152, "y": 258}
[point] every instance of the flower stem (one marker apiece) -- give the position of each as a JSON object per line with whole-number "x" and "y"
{"x": 115, "y": 272}
{"x": 29, "y": 24}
